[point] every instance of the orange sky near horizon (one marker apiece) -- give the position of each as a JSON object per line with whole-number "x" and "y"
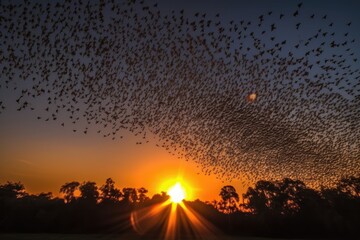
{"x": 43, "y": 156}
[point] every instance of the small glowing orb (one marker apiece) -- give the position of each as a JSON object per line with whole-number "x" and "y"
{"x": 251, "y": 97}
{"x": 176, "y": 193}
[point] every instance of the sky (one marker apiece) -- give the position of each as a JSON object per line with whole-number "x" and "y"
{"x": 45, "y": 155}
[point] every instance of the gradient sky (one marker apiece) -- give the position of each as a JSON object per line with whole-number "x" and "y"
{"x": 46, "y": 155}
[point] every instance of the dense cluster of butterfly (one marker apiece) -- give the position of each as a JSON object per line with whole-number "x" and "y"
{"x": 243, "y": 99}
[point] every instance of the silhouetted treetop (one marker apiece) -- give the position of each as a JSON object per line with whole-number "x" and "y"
{"x": 130, "y": 195}
{"x": 285, "y": 197}
{"x": 142, "y": 195}
{"x": 89, "y": 192}
{"x": 229, "y": 199}
{"x": 349, "y": 186}
{"x": 68, "y": 189}
{"x": 272, "y": 208}
{"x": 109, "y": 192}
{"x": 12, "y": 190}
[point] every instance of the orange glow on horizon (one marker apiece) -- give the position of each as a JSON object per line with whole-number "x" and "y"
{"x": 178, "y": 189}
{"x": 50, "y": 157}
{"x": 173, "y": 218}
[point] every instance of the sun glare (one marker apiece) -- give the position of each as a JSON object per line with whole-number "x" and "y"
{"x": 175, "y": 217}
{"x": 176, "y": 193}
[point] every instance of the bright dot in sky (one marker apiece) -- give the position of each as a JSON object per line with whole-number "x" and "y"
{"x": 176, "y": 193}
{"x": 251, "y": 97}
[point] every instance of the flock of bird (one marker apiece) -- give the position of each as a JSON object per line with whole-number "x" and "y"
{"x": 272, "y": 97}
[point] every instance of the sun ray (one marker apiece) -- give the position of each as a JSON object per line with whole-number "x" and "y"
{"x": 171, "y": 226}
{"x": 173, "y": 218}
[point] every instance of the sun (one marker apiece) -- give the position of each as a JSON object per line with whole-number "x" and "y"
{"x": 176, "y": 193}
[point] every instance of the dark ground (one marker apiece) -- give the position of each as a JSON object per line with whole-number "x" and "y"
{"x": 109, "y": 237}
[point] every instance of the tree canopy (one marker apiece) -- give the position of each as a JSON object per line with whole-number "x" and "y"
{"x": 269, "y": 208}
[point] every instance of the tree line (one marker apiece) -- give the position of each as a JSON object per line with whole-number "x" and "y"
{"x": 284, "y": 207}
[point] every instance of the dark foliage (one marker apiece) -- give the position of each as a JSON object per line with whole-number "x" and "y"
{"x": 270, "y": 208}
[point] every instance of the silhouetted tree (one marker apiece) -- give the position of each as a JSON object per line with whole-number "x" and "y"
{"x": 261, "y": 198}
{"x": 349, "y": 186}
{"x": 41, "y": 198}
{"x": 109, "y": 192}
{"x": 229, "y": 199}
{"x": 344, "y": 204}
{"x": 45, "y": 196}
{"x": 277, "y": 208}
{"x": 286, "y": 197}
{"x": 130, "y": 195}
{"x": 68, "y": 189}
{"x": 89, "y": 192}
{"x": 291, "y": 194}
{"x": 142, "y": 195}
{"x": 159, "y": 198}
{"x": 12, "y": 190}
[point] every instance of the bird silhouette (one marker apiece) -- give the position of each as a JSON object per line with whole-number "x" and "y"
{"x": 239, "y": 98}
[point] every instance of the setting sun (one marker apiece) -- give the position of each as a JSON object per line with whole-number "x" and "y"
{"x": 176, "y": 193}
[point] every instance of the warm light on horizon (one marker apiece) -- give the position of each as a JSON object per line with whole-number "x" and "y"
{"x": 178, "y": 186}
{"x": 176, "y": 193}
{"x": 172, "y": 215}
